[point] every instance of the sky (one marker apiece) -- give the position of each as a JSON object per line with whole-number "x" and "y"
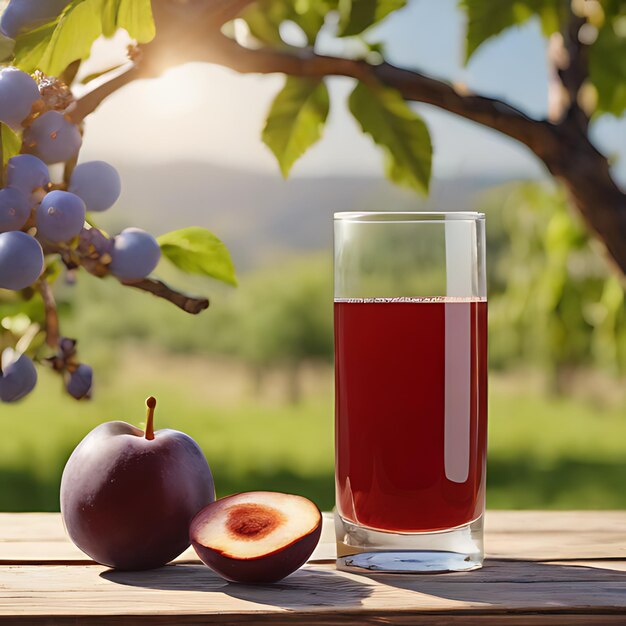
{"x": 211, "y": 114}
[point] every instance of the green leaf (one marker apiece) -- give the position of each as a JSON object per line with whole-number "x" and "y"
{"x": 607, "y": 67}
{"x": 6, "y": 47}
{"x": 488, "y": 18}
{"x": 264, "y": 21}
{"x": 109, "y": 17}
{"x": 136, "y": 17}
{"x": 355, "y": 16}
{"x": 78, "y": 28}
{"x": 52, "y": 47}
{"x": 398, "y": 130}
{"x": 11, "y": 143}
{"x": 296, "y": 120}
{"x": 264, "y": 18}
{"x": 31, "y": 46}
{"x": 196, "y": 250}
{"x": 310, "y": 19}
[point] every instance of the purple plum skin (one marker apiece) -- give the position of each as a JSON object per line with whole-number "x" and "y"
{"x": 127, "y": 501}
{"x": 14, "y": 209}
{"x": 97, "y": 183}
{"x": 18, "y": 93}
{"x": 60, "y": 216}
{"x": 21, "y": 260}
{"x": 134, "y": 255}
{"x": 80, "y": 382}
{"x": 53, "y": 138}
{"x": 18, "y": 377}
{"x": 27, "y": 173}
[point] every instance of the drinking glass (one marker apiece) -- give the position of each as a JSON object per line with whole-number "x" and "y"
{"x": 410, "y": 391}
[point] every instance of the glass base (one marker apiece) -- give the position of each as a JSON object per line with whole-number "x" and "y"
{"x": 364, "y": 550}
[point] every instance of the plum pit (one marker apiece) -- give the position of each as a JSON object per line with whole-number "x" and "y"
{"x": 250, "y": 521}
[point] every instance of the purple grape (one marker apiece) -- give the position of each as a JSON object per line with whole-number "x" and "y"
{"x": 60, "y": 216}
{"x": 21, "y": 260}
{"x": 24, "y": 15}
{"x": 97, "y": 183}
{"x": 18, "y": 93}
{"x": 27, "y": 173}
{"x": 14, "y": 209}
{"x": 53, "y": 138}
{"x": 135, "y": 254}
{"x": 79, "y": 382}
{"x": 18, "y": 377}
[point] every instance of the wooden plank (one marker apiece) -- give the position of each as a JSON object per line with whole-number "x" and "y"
{"x": 335, "y": 618}
{"x": 529, "y": 535}
{"x": 560, "y": 589}
{"x": 40, "y": 539}
{"x": 317, "y": 591}
{"x": 541, "y": 535}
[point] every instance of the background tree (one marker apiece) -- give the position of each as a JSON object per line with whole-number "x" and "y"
{"x": 289, "y": 328}
{"x": 587, "y": 56}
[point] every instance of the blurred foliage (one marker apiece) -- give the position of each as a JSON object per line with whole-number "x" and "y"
{"x": 553, "y": 301}
{"x": 278, "y": 317}
{"x": 554, "y": 304}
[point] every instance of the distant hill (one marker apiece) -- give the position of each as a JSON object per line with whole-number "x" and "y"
{"x": 260, "y": 216}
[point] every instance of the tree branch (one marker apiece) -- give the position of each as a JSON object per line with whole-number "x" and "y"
{"x": 189, "y": 304}
{"x": 568, "y": 63}
{"x": 91, "y": 100}
{"x": 564, "y": 147}
{"x": 413, "y": 85}
{"x": 88, "y": 256}
{"x": 206, "y": 14}
{"x": 574, "y": 74}
{"x": 51, "y": 316}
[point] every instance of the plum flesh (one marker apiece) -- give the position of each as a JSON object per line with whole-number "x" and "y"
{"x": 257, "y": 537}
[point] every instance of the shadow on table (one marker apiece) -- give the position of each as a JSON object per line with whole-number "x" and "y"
{"x": 306, "y": 588}
{"x": 506, "y": 584}
{"x": 499, "y": 584}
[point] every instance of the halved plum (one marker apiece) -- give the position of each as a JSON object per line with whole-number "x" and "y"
{"x": 256, "y": 537}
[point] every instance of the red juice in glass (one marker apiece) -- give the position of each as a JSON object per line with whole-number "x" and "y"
{"x": 410, "y": 391}
{"x": 411, "y": 413}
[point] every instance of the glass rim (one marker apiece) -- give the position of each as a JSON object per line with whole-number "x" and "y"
{"x": 399, "y": 217}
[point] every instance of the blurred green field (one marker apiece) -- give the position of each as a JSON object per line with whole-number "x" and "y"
{"x": 544, "y": 452}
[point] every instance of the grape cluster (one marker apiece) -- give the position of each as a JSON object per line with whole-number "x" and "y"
{"x": 77, "y": 377}
{"x": 40, "y": 218}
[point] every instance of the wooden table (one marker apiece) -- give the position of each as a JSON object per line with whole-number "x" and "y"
{"x": 543, "y": 568}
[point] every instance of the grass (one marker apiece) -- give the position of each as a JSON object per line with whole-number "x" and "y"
{"x": 543, "y": 453}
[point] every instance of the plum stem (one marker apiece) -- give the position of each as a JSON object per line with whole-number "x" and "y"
{"x": 151, "y": 404}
